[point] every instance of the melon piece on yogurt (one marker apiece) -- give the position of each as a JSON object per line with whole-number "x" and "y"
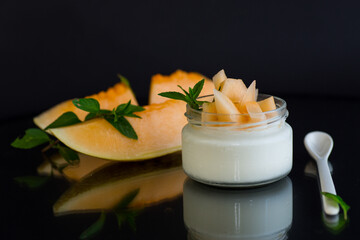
{"x": 254, "y": 111}
{"x": 234, "y": 89}
{"x": 208, "y": 112}
{"x": 249, "y": 96}
{"x": 219, "y": 78}
{"x": 225, "y": 106}
{"x": 268, "y": 104}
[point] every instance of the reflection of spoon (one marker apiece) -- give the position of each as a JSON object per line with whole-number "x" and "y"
{"x": 319, "y": 146}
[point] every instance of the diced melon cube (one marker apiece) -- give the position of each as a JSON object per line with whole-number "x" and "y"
{"x": 234, "y": 89}
{"x": 268, "y": 104}
{"x": 255, "y": 112}
{"x": 225, "y": 106}
{"x": 208, "y": 112}
{"x": 249, "y": 96}
{"x": 219, "y": 78}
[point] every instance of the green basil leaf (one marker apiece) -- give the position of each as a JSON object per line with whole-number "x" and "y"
{"x": 197, "y": 89}
{"x": 68, "y": 154}
{"x": 173, "y": 95}
{"x": 123, "y": 126}
{"x": 87, "y": 104}
{"x": 123, "y": 107}
{"x": 32, "y": 181}
{"x": 124, "y": 80}
{"x": 33, "y": 137}
{"x": 66, "y": 119}
{"x": 90, "y": 116}
{"x": 126, "y": 200}
{"x": 339, "y": 200}
{"x": 134, "y": 108}
{"x": 95, "y": 228}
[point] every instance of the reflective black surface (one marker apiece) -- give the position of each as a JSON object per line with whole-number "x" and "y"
{"x": 28, "y": 213}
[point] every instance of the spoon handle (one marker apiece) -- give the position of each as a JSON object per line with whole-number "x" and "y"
{"x": 327, "y": 185}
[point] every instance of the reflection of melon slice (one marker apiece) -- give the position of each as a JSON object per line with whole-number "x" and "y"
{"x": 249, "y": 96}
{"x": 87, "y": 164}
{"x": 159, "y": 133}
{"x": 219, "y": 78}
{"x": 162, "y": 83}
{"x": 225, "y": 106}
{"x": 157, "y": 180}
{"x": 234, "y": 89}
{"x": 110, "y": 99}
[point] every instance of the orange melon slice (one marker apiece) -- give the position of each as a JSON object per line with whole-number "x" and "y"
{"x": 109, "y": 99}
{"x": 234, "y": 89}
{"x": 163, "y": 83}
{"x": 225, "y": 106}
{"x": 249, "y": 96}
{"x": 159, "y": 133}
{"x": 158, "y": 180}
{"x": 219, "y": 78}
{"x": 254, "y": 111}
{"x": 268, "y": 104}
{"x": 208, "y": 112}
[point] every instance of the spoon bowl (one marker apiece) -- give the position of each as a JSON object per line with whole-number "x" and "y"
{"x": 318, "y": 144}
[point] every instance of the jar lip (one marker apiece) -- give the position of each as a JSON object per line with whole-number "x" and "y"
{"x": 279, "y": 113}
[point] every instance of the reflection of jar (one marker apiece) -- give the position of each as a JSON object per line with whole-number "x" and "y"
{"x": 257, "y": 213}
{"x": 234, "y": 153}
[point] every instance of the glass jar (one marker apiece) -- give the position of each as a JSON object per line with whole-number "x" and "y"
{"x": 236, "y": 154}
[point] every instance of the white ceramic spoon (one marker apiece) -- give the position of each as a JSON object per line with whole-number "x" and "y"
{"x": 319, "y": 146}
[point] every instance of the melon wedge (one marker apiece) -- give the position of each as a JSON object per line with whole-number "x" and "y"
{"x": 158, "y": 180}
{"x": 225, "y": 106}
{"x": 109, "y": 99}
{"x": 163, "y": 83}
{"x": 255, "y": 112}
{"x": 87, "y": 165}
{"x": 159, "y": 133}
{"x": 268, "y": 104}
{"x": 249, "y": 96}
{"x": 234, "y": 89}
{"x": 219, "y": 78}
{"x": 208, "y": 112}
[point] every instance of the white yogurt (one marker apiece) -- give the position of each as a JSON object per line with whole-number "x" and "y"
{"x": 226, "y": 156}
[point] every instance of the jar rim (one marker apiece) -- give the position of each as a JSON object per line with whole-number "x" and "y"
{"x": 195, "y": 116}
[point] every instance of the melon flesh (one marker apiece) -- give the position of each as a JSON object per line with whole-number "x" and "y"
{"x": 110, "y": 99}
{"x": 225, "y": 106}
{"x": 219, "y": 78}
{"x": 163, "y": 83}
{"x": 158, "y": 130}
{"x": 249, "y": 96}
{"x": 255, "y": 111}
{"x": 234, "y": 89}
{"x": 268, "y": 104}
{"x": 157, "y": 180}
{"x": 208, "y": 112}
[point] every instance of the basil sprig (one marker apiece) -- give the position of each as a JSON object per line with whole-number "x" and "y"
{"x": 190, "y": 97}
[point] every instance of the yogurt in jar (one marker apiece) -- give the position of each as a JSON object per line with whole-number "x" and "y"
{"x": 233, "y": 155}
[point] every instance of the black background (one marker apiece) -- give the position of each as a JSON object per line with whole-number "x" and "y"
{"x": 55, "y": 50}
{"x": 304, "y": 51}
